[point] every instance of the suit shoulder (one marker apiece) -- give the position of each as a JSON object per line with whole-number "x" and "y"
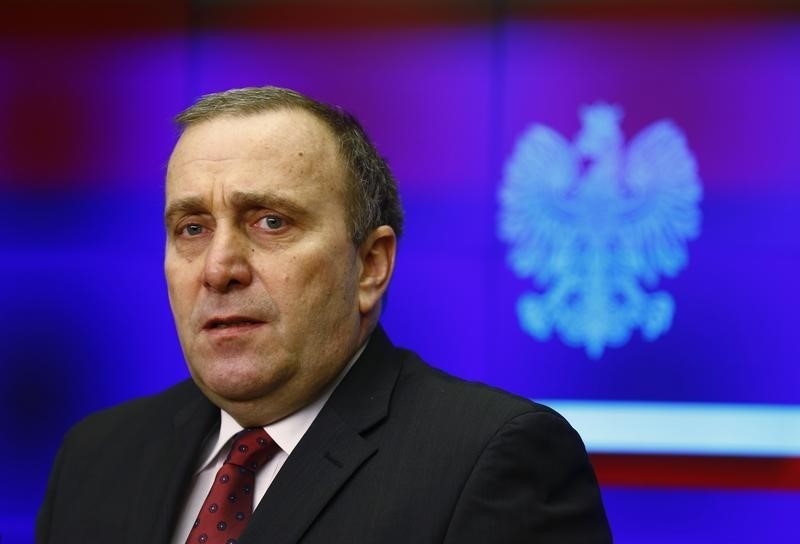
{"x": 462, "y": 399}
{"x": 136, "y": 414}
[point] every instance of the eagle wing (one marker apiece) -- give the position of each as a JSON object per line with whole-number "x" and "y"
{"x": 535, "y": 218}
{"x": 662, "y": 211}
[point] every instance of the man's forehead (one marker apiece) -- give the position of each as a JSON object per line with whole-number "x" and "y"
{"x": 255, "y": 135}
{"x": 281, "y": 148}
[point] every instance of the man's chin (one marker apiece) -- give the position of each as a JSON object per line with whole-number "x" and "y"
{"x": 237, "y": 390}
{"x": 238, "y": 384}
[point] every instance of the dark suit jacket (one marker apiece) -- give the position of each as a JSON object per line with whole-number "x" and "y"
{"x": 400, "y": 453}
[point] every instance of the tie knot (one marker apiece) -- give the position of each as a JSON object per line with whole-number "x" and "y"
{"x": 251, "y": 449}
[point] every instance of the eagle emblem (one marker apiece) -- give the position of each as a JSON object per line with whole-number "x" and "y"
{"x": 595, "y": 224}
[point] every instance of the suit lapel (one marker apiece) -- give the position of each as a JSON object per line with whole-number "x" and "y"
{"x": 167, "y": 468}
{"x": 331, "y": 451}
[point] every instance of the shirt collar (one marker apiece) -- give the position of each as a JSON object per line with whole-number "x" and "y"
{"x": 286, "y": 432}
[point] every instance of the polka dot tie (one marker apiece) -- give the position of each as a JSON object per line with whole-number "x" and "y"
{"x": 229, "y": 504}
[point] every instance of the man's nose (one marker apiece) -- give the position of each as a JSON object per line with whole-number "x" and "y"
{"x": 227, "y": 264}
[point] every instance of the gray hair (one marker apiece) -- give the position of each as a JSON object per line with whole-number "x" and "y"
{"x": 371, "y": 192}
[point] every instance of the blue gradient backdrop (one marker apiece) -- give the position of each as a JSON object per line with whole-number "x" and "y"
{"x": 86, "y": 132}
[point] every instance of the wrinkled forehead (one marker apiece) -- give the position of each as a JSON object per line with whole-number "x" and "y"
{"x": 291, "y": 141}
{"x": 283, "y": 133}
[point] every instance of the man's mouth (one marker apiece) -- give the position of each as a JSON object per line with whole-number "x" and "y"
{"x": 230, "y": 322}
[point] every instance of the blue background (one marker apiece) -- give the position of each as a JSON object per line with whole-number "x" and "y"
{"x": 444, "y": 89}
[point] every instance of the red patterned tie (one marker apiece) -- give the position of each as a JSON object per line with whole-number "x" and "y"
{"x": 229, "y": 504}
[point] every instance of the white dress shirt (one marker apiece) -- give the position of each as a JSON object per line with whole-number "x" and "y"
{"x": 286, "y": 433}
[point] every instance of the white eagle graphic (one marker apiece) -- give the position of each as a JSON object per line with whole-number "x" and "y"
{"x": 595, "y": 224}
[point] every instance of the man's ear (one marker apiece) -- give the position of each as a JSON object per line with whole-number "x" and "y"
{"x": 377, "y": 254}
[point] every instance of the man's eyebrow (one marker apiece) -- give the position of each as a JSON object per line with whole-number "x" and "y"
{"x": 239, "y": 199}
{"x": 245, "y": 200}
{"x": 187, "y": 205}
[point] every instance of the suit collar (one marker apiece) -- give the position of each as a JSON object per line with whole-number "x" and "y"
{"x": 332, "y": 450}
{"x": 168, "y": 464}
{"x": 362, "y": 399}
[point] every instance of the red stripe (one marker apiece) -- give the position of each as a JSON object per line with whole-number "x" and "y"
{"x": 697, "y": 471}
{"x": 100, "y": 17}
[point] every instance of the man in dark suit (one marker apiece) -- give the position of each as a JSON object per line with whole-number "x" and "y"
{"x": 302, "y": 422}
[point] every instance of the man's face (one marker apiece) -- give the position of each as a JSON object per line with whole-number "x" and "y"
{"x": 263, "y": 276}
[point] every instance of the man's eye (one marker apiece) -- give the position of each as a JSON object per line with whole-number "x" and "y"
{"x": 271, "y": 222}
{"x": 193, "y": 230}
